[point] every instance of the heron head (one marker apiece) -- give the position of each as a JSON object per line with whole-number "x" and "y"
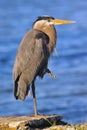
{"x": 48, "y": 20}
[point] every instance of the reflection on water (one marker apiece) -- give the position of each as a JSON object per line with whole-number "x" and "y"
{"x": 65, "y": 95}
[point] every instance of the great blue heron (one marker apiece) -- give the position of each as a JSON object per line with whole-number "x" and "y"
{"x": 33, "y": 54}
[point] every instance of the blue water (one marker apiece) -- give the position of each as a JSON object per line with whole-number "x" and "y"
{"x": 67, "y": 94}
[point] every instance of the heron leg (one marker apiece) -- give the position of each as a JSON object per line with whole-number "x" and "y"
{"x": 34, "y": 99}
{"x": 50, "y": 73}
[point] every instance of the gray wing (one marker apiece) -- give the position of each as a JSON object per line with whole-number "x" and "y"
{"x": 32, "y": 56}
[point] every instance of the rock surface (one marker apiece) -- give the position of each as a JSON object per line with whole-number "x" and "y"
{"x": 29, "y": 122}
{"x": 68, "y": 127}
{"x": 51, "y": 122}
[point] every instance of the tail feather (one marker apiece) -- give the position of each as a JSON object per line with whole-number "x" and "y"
{"x": 21, "y": 89}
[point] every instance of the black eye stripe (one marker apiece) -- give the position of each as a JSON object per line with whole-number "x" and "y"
{"x": 44, "y": 18}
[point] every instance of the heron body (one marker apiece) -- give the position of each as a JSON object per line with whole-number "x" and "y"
{"x": 32, "y": 57}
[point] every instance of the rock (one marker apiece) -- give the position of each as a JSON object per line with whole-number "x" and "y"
{"x": 68, "y": 127}
{"x": 29, "y": 122}
{"x": 51, "y": 122}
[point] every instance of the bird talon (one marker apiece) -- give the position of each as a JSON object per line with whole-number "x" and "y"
{"x": 52, "y": 75}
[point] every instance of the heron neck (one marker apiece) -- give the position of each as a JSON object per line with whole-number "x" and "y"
{"x": 51, "y": 32}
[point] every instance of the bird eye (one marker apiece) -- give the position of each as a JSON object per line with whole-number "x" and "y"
{"x": 48, "y": 20}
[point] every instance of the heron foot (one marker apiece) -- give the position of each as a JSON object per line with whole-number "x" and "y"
{"x": 39, "y": 114}
{"x": 50, "y": 73}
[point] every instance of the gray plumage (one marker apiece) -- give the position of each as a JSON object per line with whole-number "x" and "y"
{"x": 31, "y": 61}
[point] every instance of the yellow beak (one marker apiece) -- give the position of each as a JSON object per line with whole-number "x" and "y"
{"x": 59, "y": 21}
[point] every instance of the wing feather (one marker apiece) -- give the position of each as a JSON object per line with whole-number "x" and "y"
{"x": 32, "y": 56}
